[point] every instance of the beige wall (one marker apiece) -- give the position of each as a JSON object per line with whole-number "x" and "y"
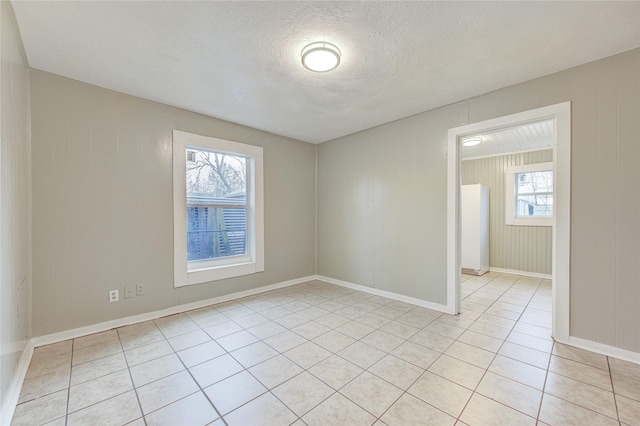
{"x": 517, "y": 248}
{"x": 382, "y": 196}
{"x": 15, "y": 199}
{"x": 102, "y": 203}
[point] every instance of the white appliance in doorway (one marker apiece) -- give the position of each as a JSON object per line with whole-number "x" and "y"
{"x": 474, "y": 218}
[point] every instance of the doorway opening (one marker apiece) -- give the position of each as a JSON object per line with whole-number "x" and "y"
{"x": 560, "y": 117}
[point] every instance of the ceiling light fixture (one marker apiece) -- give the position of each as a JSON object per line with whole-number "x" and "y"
{"x": 476, "y": 140}
{"x": 320, "y": 56}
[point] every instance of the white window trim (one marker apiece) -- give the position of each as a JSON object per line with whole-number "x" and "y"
{"x": 510, "y": 217}
{"x": 230, "y": 267}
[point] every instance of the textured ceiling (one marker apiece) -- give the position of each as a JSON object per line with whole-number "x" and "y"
{"x": 526, "y": 137}
{"x": 240, "y": 61}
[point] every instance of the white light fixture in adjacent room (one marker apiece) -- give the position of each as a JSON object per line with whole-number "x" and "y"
{"x": 320, "y": 56}
{"x": 476, "y": 140}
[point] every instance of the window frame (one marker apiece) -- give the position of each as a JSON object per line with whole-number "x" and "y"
{"x": 511, "y": 196}
{"x": 202, "y": 271}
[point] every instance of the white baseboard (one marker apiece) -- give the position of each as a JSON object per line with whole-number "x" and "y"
{"x": 108, "y": 325}
{"x": 13, "y": 393}
{"x": 523, "y": 273}
{"x": 388, "y": 294}
{"x": 603, "y": 349}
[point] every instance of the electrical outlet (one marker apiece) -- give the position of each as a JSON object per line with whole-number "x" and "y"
{"x": 140, "y": 290}
{"x": 114, "y": 295}
{"x": 128, "y": 292}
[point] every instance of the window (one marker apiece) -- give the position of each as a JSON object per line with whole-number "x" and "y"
{"x": 218, "y": 209}
{"x": 529, "y": 195}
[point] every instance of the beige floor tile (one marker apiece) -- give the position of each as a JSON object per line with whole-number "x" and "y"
{"x": 251, "y": 320}
{"x": 302, "y": 393}
{"x": 484, "y": 411}
{"x": 188, "y": 340}
{"x": 41, "y": 410}
{"x": 581, "y": 394}
{"x": 236, "y": 340}
{"x": 275, "y": 312}
{"x": 510, "y": 393}
{"x": 284, "y": 341}
{"x": 581, "y": 372}
{"x": 48, "y": 365}
{"x": 238, "y": 311}
{"x": 490, "y": 330}
{"x": 373, "y": 320}
{"x": 626, "y": 386}
{"x": 177, "y": 327}
{"x": 455, "y": 320}
{"x": 214, "y": 370}
{"x": 527, "y": 355}
{"x": 307, "y": 354}
{"x": 94, "y": 391}
{"x": 409, "y": 410}
{"x": 441, "y": 393}
{"x": 97, "y": 351}
{"x": 333, "y": 320}
{"x": 137, "y": 329}
{"x": 398, "y": 329}
{"x": 416, "y": 354}
{"x": 275, "y": 371}
{"x": 234, "y": 391}
{"x": 355, "y": 329}
{"x": 48, "y": 351}
{"x": 503, "y": 313}
{"x": 371, "y": 393}
{"x": 415, "y": 320}
{"x": 148, "y": 352}
{"x": 481, "y": 341}
{"x": 625, "y": 368}
{"x": 222, "y": 329}
{"x": 350, "y": 312}
{"x": 119, "y": 410}
{"x": 310, "y": 330}
{"x": 292, "y": 320}
{"x": 396, "y": 371}
{"x": 335, "y": 371}
{"x": 533, "y": 330}
{"x": 518, "y": 371}
{"x": 210, "y": 320}
{"x": 194, "y": 409}
{"x": 44, "y": 385}
{"x": 198, "y": 354}
{"x": 266, "y": 329}
{"x": 432, "y": 341}
{"x": 628, "y": 410}
{"x": 95, "y": 339}
{"x": 361, "y": 354}
{"x": 446, "y": 330}
{"x": 136, "y": 340}
{"x": 537, "y": 343}
{"x": 334, "y": 341}
{"x": 254, "y": 354}
{"x": 383, "y": 341}
{"x": 62, "y": 422}
{"x": 389, "y": 312}
{"x": 471, "y": 354}
{"x": 264, "y": 410}
{"x": 98, "y": 368}
{"x": 580, "y": 355}
{"x": 556, "y": 411}
{"x": 337, "y": 410}
{"x": 163, "y": 392}
{"x": 156, "y": 369}
{"x": 457, "y": 371}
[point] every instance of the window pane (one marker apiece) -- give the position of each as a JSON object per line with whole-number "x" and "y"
{"x": 216, "y": 232}
{"x": 534, "y": 182}
{"x": 215, "y": 179}
{"x": 216, "y": 175}
{"x": 534, "y": 205}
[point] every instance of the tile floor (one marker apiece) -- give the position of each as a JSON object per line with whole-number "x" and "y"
{"x": 316, "y": 353}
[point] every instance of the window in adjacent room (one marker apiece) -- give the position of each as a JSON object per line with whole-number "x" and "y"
{"x": 218, "y": 209}
{"x": 529, "y": 195}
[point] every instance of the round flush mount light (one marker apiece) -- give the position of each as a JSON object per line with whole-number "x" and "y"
{"x": 320, "y": 56}
{"x": 476, "y": 140}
